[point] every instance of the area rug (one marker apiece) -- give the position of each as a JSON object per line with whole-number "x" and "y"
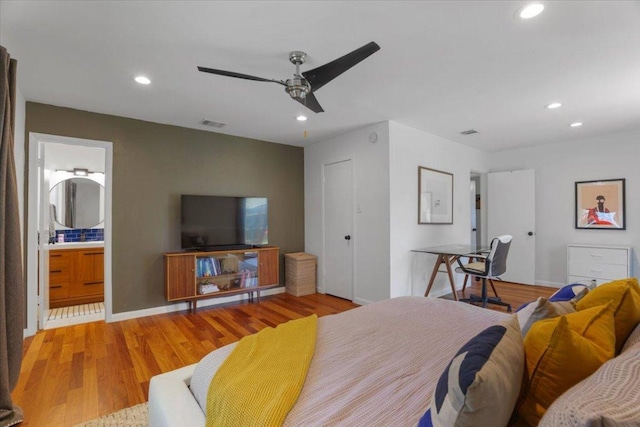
{"x": 135, "y": 416}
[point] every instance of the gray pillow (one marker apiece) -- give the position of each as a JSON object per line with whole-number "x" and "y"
{"x": 540, "y": 309}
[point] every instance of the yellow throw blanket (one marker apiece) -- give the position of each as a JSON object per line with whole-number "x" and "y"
{"x": 260, "y": 381}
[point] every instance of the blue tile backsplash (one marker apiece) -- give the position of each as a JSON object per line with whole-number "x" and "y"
{"x": 75, "y": 234}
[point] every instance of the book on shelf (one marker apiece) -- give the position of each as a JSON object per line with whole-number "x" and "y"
{"x": 248, "y": 279}
{"x": 208, "y": 266}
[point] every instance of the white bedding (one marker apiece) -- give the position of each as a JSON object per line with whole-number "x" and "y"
{"x": 376, "y": 365}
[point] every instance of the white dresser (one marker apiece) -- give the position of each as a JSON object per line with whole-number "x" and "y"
{"x": 602, "y": 263}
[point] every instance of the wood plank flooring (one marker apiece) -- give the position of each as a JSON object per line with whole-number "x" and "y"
{"x": 515, "y": 294}
{"x": 77, "y": 373}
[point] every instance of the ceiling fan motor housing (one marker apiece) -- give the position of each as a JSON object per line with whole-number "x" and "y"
{"x": 298, "y": 87}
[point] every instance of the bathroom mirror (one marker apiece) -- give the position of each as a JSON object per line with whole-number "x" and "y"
{"x": 77, "y": 203}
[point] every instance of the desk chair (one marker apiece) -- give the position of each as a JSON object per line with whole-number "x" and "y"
{"x": 477, "y": 265}
{"x": 495, "y": 264}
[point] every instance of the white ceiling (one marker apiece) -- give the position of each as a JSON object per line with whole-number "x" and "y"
{"x": 444, "y": 66}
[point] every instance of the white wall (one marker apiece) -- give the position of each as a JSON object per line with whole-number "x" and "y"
{"x": 410, "y": 148}
{"x": 558, "y": 167}
{"x": 371, "y": 233}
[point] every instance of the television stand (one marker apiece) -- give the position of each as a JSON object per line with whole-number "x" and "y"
{"x": 220, "y": 248}
{"x": 196, "y": 275}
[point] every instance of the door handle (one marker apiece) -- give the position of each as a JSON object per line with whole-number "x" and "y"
{"x": 347, "y": 237}
{"x": 530, "y": 233}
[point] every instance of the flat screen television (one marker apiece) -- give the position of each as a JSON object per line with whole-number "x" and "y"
{"x": 223, "y": 222}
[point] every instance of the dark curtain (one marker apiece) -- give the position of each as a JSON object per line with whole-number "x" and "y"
{"x": 11, "y": 277}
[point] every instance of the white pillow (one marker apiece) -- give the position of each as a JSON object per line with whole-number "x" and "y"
{"x": 204, "y": 372}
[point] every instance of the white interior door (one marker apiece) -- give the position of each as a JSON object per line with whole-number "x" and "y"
{"x": 338, "y": 229}
{"x": 43, "y": 233}
{"x": 511, "y": 208}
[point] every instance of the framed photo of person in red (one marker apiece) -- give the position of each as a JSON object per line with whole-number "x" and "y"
{"x": 600, "y": 204}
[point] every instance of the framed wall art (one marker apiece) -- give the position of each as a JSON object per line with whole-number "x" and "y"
{"x": 435, "y": 196}
{"x": 600, "y": 205}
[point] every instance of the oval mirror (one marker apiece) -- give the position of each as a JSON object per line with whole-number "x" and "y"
{"x": 77, "y": 203}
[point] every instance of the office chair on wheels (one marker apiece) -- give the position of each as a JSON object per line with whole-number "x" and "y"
{"x": 495, "y": 264}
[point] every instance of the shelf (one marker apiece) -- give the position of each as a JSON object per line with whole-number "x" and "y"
{"x": 231, "y": 272}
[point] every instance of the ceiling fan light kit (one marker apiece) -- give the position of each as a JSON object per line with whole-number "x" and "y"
{"x": 301, "y": 86}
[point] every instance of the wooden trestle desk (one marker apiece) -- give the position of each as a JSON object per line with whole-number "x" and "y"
{"x": 447, "y": 255}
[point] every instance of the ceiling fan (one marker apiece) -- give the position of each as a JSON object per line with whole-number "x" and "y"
{"x": 303, "y": 86}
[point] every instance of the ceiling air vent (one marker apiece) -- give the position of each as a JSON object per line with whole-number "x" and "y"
{"x": 212, "y": 124}
{"x": 468, "y": 132}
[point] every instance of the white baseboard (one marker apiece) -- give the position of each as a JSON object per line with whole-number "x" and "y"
{"x": 361, "y": 301}
{"x": 437, "y": 293}
{"x": 117, "y": 317}
{"x": 550, "y": 284}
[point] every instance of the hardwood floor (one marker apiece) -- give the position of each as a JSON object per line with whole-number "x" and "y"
{"x": 513, "y": 293}
{"x": 77, "y": 373}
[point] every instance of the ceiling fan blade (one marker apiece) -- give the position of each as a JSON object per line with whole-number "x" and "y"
{"x": 322, "y": 75}
{"x": 238, "y": 75}
{"x": 310, "y": 102}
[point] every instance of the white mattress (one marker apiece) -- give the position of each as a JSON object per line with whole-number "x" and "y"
{"x": 376, "y": 365}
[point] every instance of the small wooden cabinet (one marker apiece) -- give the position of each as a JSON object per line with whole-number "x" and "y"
{"x": 76, "y": 276}
{"x": 190, "y": 276}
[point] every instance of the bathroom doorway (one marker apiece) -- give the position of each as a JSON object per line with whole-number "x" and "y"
{"x": 69, "y": 231}
{"x": 475, "y": 194}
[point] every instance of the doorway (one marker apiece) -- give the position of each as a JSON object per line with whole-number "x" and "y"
{"x": 475, "y": 201}
{"x": 68, "y": 231}
{"x": 338, "y": 197}
{"x": 512, "y": 206}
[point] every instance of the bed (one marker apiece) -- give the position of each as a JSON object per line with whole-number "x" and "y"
{"x": 429, "y": 362}
{"x": 374, "y": 365}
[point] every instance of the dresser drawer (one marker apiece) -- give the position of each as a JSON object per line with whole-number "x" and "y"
{"x": 598, "y": 270}
{"x": 58, "y": 291}
{"x": 60, "y": 261}
{"x": 80, "y": 289}
{"x": 599, "y": 255}
{"x": 58, "y": 277}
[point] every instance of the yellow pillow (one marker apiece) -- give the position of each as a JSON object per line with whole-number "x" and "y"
{"x": 625, "y": 294}
{"x": 561, "y": 352}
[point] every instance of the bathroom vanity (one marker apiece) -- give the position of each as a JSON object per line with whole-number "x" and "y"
{"x": 76, "y": 273}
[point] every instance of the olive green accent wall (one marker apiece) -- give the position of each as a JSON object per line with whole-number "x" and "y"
{"x": 153, "y": 164}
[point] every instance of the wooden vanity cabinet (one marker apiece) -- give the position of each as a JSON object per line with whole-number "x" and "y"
{"x": 76, "y": 276}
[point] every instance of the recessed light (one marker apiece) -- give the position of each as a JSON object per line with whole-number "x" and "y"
{"x": 531, "y": 10}
{"x": 553, "y": 105}
{"x": 576, "y": 124}
{"x": 143, "y": 80}
{"x": 301, "y": 118}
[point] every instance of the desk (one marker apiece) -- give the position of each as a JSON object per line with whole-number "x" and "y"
{"x": 447, "y": 255}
